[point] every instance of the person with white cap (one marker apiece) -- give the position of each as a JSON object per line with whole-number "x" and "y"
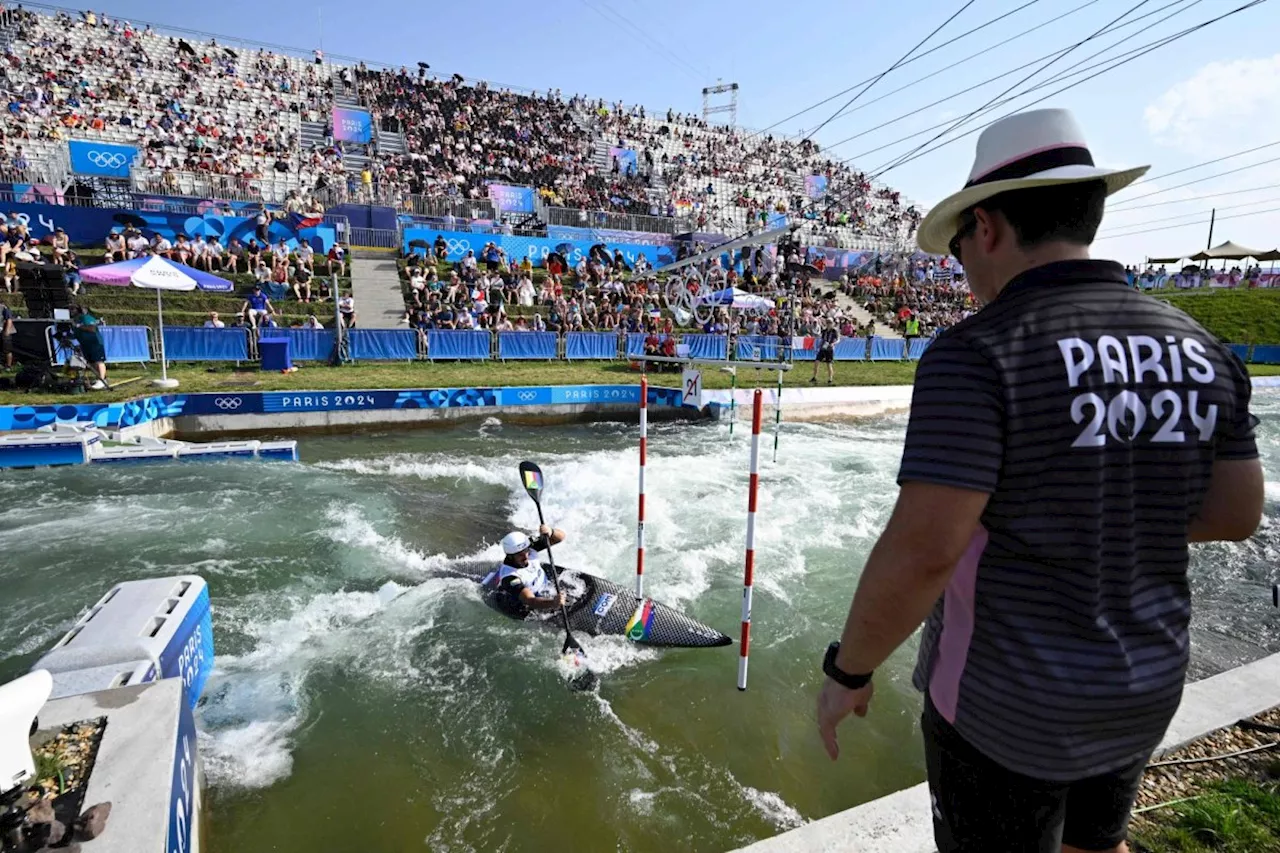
{"x": 1065, "y": 444}
{"x": 519, "y": 585}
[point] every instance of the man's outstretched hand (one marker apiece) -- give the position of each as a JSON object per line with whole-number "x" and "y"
{"x": 834, "y": 704}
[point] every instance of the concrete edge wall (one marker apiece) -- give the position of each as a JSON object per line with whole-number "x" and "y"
{"x": 137, "y": 767}
{"x": 901, "y": 822}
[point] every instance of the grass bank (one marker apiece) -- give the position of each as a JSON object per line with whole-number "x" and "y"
{"x": 317, "y": 377}
{"x": 1232, "y": 816}
{"x": 1236, "y": 316}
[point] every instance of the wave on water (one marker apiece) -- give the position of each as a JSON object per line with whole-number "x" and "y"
{"x": 411, "y": 465}
{"x": 256, "y": 703}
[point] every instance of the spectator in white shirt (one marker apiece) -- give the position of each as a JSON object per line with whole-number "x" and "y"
{"x": 138, "y": 245}
{"x": 115, "y": 248}
{"x": 181, "y": 250}
{"x": 305, "y": 254}
{"x": 312, "y": 322}
{"x": 263, "y": 273}
{"x": 280, "y": 253}
{"x": 213, "y": 258}
{"x": 525, "y": 292}
{"x": 213, "y": 322}
{"x": 161, "y": 246}
{"x": 464, "y": 320}
{"x": 197, "y": 258}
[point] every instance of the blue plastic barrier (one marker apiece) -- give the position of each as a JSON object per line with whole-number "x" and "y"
{"x": 382, "y": 344}
{"x": 1241, "y": 351}
{"x": 585, "y": 345}
{"x": 189, "y": 343}
{"x": 851, "y": 349}
{"x": 916, "y": 348}
{"x": 527, "y": 345}
{"x": 1266, "y": 354}
{"x": 888, "y": 349}
{"x": 635, "y": 344}
{"x": 714, "y": 347}
{"x": 126, "y": 343}
{"x": 757, "y": 348}
{"x": 307, "y": 344}
{"x": 457, "y": 344}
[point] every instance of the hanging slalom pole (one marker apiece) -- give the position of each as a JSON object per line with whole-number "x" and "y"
{"x": 733, "y": 388}
{"x": 644, "y": 442}
{"x": 757, "y": 409}
{"x": 777, "y": 417}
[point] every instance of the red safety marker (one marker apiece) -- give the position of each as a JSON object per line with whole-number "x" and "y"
{"x": 757, "y": 409}
{"x": 644, "y": 447}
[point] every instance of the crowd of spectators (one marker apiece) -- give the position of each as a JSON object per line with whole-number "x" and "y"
{"x": 190, "y": 107}
{"x": 210, "y": 119}
{"x": 912, "y": 297}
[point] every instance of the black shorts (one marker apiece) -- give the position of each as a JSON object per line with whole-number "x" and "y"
{"x": 826, "y": 355}
{"x": 979, "y": 806}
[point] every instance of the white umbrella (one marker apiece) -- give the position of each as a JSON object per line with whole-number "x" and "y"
{"x": 160, "y": 274}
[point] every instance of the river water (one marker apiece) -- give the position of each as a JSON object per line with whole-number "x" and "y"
{"x": 336, "y": 723}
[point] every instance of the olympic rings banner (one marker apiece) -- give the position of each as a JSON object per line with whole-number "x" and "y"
{"x": 101, "y": 158}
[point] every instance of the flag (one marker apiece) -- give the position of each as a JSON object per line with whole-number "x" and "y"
{"x": 803, "y": 342}
{"x": 298, "y": 221}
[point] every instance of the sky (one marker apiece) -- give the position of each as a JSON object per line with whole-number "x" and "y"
{"x": 1208, "y": 95}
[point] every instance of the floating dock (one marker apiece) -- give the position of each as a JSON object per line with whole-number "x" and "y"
{"x": 86, "y": 444}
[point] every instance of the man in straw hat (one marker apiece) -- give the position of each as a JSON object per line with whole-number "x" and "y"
{"x": 1065, "y": 444}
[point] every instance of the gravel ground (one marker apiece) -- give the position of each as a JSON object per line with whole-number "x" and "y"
{"x": 1163, "y": 782}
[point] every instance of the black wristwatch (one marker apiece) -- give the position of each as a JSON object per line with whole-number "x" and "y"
{"x": 839, "y": 676}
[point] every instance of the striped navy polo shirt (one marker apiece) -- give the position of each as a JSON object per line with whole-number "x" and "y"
{"x": 1092, "y": 415}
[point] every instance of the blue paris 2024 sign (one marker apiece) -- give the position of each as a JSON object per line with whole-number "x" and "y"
{"x": 101, "y": 158}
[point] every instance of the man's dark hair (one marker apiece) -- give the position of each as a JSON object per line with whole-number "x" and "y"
{"x": 1066, "y": 212}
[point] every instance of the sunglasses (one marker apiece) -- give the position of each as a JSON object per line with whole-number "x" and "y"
{"x": 968, "y": 225}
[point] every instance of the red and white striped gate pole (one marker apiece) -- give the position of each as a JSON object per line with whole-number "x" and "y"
{"x": 644, "y": 442}
{"x": 757, "y": 408}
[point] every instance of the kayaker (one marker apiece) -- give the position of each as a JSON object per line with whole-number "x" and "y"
{"x": 519, "y": 585}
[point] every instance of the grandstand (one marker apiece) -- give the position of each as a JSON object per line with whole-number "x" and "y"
{"x": 214, "y": 121}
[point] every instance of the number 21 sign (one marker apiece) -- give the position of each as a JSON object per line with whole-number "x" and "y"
{"x": 691, "y": 387}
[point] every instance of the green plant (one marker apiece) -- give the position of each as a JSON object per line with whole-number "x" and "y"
{"x": 1234, "y": 816}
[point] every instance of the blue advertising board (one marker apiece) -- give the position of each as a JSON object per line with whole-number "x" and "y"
{"x": 182, "y": 788}
{"x": 509, "y": 199}
{"x": 89, "y": 226}
{"x": 352, "y": 125}
{"x": 147, "y": 409}
{"x": 102, "y": 159}
{"x": 537, "y": 249}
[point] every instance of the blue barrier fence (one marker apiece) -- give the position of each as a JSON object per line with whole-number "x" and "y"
{"x": 541, "y": 346}
{"x": 888, "y": 349}
{"x": 590, "y": 345}
{"x": 183, "y": 343}
{"x": 383, "y": 344}
{"x": 1266, "y": 354}
{"x": 457, "y": 344}
{"x": 714, "y": 347}
{"x": 126, "y": 343}
{"x": 305, "y": 344}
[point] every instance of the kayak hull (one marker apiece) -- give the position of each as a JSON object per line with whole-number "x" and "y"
{"x": 600, "y": 607}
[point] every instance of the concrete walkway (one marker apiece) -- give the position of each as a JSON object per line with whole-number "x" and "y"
{"x": 375, "y": 284}
{"x": 901, "y": 823}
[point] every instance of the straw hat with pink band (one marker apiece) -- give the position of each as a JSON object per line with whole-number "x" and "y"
{"x": 1039, "y": 148}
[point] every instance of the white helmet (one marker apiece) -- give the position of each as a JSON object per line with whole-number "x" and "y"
{"x": 515, "y": 543}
